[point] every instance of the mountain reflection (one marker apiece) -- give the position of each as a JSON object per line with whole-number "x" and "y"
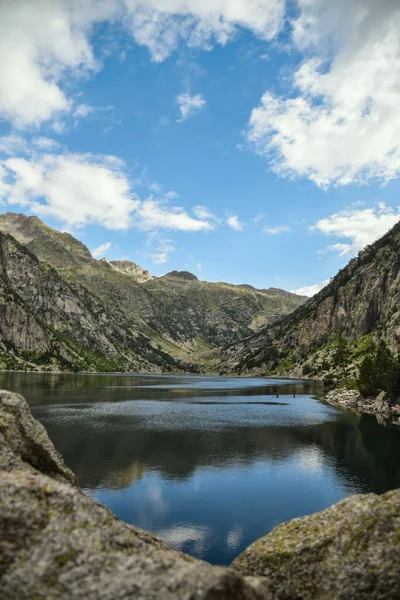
{"x": 209, "y": 464}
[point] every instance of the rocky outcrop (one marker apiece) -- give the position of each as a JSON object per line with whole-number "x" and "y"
{"x": 49, "y": 321}
{"x": 55, "y": 542}
{"x": 350, "y": 551}
{"x": 352, "y": 400}
{"x": 128, "y": 268}
{"x": 186, "y": 275}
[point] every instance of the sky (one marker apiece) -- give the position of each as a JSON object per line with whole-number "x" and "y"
{"x": 247, "y": 141}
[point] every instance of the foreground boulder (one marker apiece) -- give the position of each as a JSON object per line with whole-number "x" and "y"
{"x": 55, "y": 542}
{"x": 350, "y": 552}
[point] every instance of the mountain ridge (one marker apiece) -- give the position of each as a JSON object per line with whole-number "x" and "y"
{"x": 362, "y": 300}
{"x": 176, "y": 317}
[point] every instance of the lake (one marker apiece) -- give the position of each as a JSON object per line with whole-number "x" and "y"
{"x": 209, "y": 463}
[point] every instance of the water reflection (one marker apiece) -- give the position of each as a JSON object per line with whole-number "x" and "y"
{"x": 209, "y": 464}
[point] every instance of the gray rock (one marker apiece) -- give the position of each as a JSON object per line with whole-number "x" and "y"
{"x": 55, "y": 542}
{"x": 349, "y": 552}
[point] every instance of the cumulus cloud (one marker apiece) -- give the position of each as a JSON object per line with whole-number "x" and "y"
{"x": 39, "y": 42}
{"x": 161, "y": 25}
{"x": 311, "y": 290}
{"x": 190, "y": 105}
{"x": 101, "y": 250}
{"x": 78, "y": 189}
{"x": 156, "y": 214}
{"x": 73, "y": 188}
{"x": 276, "y": 229}
{"x": 43, "y": 41}
{"x": 341, "y": 121}
{"x": 234, "y": 222}
{"x": 359, "y": 226}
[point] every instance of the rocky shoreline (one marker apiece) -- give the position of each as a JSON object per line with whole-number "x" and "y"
{"x": 352, "y": 400}
{"x": 57, "y": 543}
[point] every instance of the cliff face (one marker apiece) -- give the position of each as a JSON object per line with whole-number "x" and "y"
{"x": 128, "y": 268}
{"x": 58, "y": 543}
{"x": 363, "y": 298}
{"x": 161, "y": 321}
{"x": 48, "y": 320}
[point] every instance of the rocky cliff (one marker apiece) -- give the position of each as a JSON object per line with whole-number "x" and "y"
{"x": 128, "y": 268}
{"x": 163, "y": 322}
{"x": 47, "y": 320}
{"x": 363, "y": 299}
{"x": 55, "y": 542}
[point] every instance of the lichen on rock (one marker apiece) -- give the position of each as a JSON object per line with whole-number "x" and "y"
{"x": 350, "y": 551}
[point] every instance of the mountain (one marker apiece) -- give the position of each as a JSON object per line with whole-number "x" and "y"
{"x": 360, "y": 303}
{"x": 128, "y": 268}
{"x": 48, "y": 321}
{"x": 170, "y": 322}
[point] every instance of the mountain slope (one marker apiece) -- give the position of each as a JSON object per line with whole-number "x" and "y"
{"x": 45, "y": 320}
{"x": 363, "y": 299}
{"x": 184, "y": 317}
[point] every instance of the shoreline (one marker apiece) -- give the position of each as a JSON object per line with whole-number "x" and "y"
{"x": 352, "y": 400}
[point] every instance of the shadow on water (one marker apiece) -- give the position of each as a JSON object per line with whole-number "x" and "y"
{"x": 209, "y": 463}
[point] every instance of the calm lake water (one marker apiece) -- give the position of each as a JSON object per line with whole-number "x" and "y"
{"x": 209, "y": 463}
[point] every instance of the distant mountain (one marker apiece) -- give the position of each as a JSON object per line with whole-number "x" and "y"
{"x": 122, "y": 317}
{"x": 128, "y": 268}
{"x": 361, "y": 302}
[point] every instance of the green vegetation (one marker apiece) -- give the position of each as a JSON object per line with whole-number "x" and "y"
{"x": 341, "y": 354}
{"x": 379, "y": 372}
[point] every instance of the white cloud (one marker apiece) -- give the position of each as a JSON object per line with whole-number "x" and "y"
{"x": 39, "y": 42}
{"x": 156, "y": 214}
{"x": 359, "y": 226}
{"x": 190, "y": 105}
{"x": 76, "y": 189}
{"x": 341, "y": 122}
{"x": 82, "y": 111}
{"x": 311, "y": 290}
{"x": 161, "y": 25}
{"x": 45, "y": 143}
{"x": 234, "y": 222}
{"x": 101, "y": 250}
{"x": 160, "y": 247}
{"x": 342, "y": 249}
{"x": 4, "y": 186}
{"x": 276, "y": 229}
{"x": 159, "y": 258}
{"x": 202, "y": 212}
{"x": 44, "y": 41}
{"x": 155, "y": 187}
{"x": 11, "y": 144}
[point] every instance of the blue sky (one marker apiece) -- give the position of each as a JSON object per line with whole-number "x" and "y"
{"x": 251, "y": 142}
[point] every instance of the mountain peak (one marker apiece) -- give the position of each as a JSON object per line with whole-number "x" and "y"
{"x": 186, "y": 275}
{"x": 128, "y": 268}
{"x": 55, "y": 247}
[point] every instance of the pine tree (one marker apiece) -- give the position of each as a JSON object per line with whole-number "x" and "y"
{"x": 341, "y": 355}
